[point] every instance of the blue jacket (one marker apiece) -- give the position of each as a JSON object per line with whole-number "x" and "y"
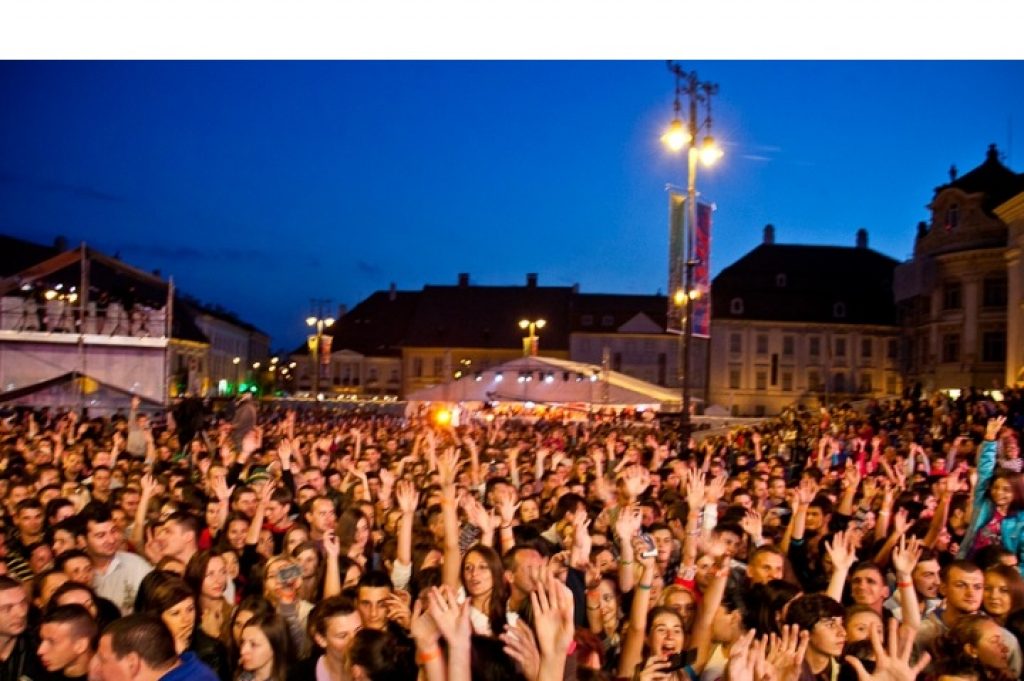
{"x": 1012, "y": 527}
{"x": 190, "y": 669}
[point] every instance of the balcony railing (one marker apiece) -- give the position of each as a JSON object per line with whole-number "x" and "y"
{"x": 61, "y": 316}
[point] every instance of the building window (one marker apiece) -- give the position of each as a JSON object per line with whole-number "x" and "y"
{"x": 865, "y": 348}
{"x": 993, "y": 292}
{"x": 393, "y": 376}
{"x": 788, "y": 346}
{"x": 951, "y": 347}
{"x": 417, "y": 367}
{"x": 865, "y": 383}
{"x": 787, "y": 381}
{"x": 993, "y": 346}
{"x": 951, "y": 296}
{"x": 839, "y": 310}
{"x": 840, "y": 347}
{"x": 780, "y": 280}
{"x": 607, "y": 320}
{"x": 438, "y": 366}
{"x": 814, "y": 346}
{"x": 839, "y": 383}
{"x": 736, "y": 306}
{"x": 735, "y": 343}
{"x": 890, "y": 384}
{"x": 953, "y": 216}
{"x": 892, "y": 348}
{"x": 587, "y": 320}
{"x": 762, "y": 344}
{"x": 371, "y": 375}
{"x": 734, "y": 379}
{"x": 761, "y": 380}
{"x": 813, "y": 380}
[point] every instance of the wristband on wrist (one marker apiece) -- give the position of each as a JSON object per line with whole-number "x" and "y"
{"x": 904, "y": 585}
{"x": 645, "y": 587}
{"x": 423, "y": 657}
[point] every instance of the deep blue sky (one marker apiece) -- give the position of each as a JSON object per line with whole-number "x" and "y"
{"x": 260, "y": 185}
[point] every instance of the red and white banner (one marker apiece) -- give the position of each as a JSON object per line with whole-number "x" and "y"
{"x": 702, "y": 272}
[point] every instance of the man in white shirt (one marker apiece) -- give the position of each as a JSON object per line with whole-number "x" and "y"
{"x": 117, "y": 573}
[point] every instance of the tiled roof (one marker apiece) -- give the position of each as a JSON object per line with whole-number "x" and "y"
{"x": 798, "y": 283}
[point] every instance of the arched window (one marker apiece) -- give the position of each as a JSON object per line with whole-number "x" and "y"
{"x": 736, "y": 306}
{"x": 839, "y": 310}
{"x": 780, "y": 280}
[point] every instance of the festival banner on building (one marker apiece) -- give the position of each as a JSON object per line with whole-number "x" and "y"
{"x": 325, "y": 349}
{"x": 702, "y": 272}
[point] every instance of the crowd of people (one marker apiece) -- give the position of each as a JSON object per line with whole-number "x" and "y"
{"x": 882, "y": 542}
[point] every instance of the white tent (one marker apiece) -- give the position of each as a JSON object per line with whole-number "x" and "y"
{"x": 550, "y": 381}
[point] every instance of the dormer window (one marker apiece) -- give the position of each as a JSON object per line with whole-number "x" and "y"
{"x": 607, "y": 320}
{"x": 780, "y": 280}
{"x": 839, "y": 310}
{"x": 736, "y": 306}
{"x": 587, "y": 320}
{"x": 953, "y": 216}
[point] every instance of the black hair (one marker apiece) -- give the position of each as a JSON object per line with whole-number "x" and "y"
{"x": 385, "y": 655}
{"x": 145, "y": 635}
{"x": 809, "y": 609}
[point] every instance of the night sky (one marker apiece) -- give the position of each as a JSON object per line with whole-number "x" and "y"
{"x": 260, "y": 185}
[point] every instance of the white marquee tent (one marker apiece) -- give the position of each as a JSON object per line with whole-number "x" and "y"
{"x": 550, "y": 381}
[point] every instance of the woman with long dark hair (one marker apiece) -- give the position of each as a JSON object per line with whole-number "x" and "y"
{"x": 265, "y": 650}
{"x": 207, "y": 575}
{"x": 483, "y": 582}
{"x": 167, "y": 596}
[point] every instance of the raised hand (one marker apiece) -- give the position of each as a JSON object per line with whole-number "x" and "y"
{"x": 407, "y": 497}
{"x": 993, "y": 427}
{"x": 447, "y": 467}
{"x": 422, "y": 627}
{"x": 452, "y": 619}
{"x": 785, "y": 653}
{"x": 715, "y": 490}
{"x": 521, "y": 646}
{"x": 695, "y": 488}
{"x": 635, "y": 479}
{"x": 552, "y": 603}
{"x": 751, "y": 524}
{"x": 905, "y": 556}
{"x": 900, "y": 523}
{"x": 628, "y": 523}
{"x": 841, "y": 550}
{"x": 892, "y": 664}
{"x": 505, "y": 504}
{"x": 332, "y": 545}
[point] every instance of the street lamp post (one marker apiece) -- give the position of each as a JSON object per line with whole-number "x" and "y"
{"x": 319, "y": 323}
{"x": 530, "y": 344}
{"x": 678, "y": 137}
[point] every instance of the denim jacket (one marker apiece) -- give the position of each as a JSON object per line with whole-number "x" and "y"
{"x": 1012, "y": 527}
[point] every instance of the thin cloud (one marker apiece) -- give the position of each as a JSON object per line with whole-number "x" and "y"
{"x": 368, "y": 269}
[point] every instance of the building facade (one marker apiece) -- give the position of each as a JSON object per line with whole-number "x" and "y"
{"x": 954, "y": 295}
{"x": 794, "y": 324}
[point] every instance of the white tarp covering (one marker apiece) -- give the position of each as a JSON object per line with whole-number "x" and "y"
{"x": 546, "y": 380}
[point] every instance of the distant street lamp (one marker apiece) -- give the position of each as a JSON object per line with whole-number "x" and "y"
{"x": 315, "y": 341}
{"x": 236, "y": 361}
{"x": 682, "y": 135}
{"x": 530, "y": 342}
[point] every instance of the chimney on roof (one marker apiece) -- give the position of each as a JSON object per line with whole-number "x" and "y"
{"x": 769, "y": 234}
{"x": 576, "y": 287}
{"x": 463, "y": 279}
{"x": 531, "y": 280}
{"x": 392, "y": 292}
{"x": 156, "y": 273}
{"x": 61, "y": 243}
{"x": 952, "y": 173}
{"x": 342, "y": 310}
{"x": 922, "y": 229}
{"x": 992, "y": 154}
{"x": 862, "y": 238}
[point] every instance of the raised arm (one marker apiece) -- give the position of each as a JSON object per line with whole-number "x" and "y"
{"x": 447, "y": 465}
{"x": 843, "y": 553}
{"x": 633, "y": 645}
{"x": 904, "y": 559}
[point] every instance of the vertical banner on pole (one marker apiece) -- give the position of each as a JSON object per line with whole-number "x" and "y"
{"x": 702, "y": 272}
{"x": 676, "y": 257}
